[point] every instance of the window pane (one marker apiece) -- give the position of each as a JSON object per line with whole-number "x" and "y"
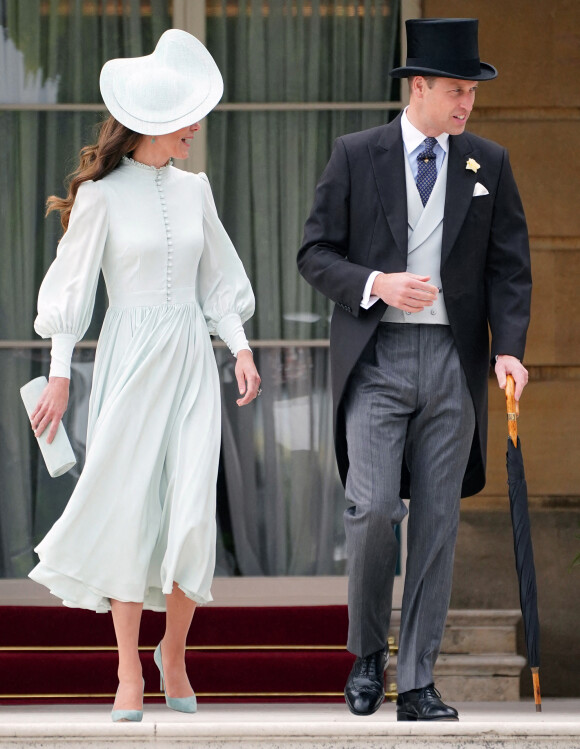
{"x": 53, "y": 51}
{"x": 304, "y": 50}
{"x": 280, "y": 500}
{"x": 37, "y": 151}
{"x": 263, "y": 167}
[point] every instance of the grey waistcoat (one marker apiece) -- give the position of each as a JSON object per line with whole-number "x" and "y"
{"x": 424, "y": 246}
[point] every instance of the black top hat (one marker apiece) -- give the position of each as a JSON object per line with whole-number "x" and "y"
{"x": 444, "y": 47}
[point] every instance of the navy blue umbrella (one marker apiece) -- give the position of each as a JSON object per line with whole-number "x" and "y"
{"x": 524, "y": 553}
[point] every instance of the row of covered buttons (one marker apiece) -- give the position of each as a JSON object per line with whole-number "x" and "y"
{"x": 433, "y": 312}
{"x": 159, "y": 186}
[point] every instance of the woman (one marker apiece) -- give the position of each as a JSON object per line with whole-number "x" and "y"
{"x": 139, "y": 529}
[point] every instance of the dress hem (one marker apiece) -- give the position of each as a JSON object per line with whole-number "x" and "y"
{"x": 97, "y": 600}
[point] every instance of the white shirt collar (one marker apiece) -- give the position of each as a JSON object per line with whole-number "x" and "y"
{"x": 413, "y": 138}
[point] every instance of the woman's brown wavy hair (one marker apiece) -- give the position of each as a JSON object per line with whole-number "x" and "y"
{"x": 95, "y": 162}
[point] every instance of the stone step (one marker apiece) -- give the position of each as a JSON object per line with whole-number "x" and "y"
{"x": 475, "y": 631}
{"x": 478, "y": 659}
{"x": 481, "y": 726}
{"x": 485, "y": 631}
{"x": 479, "y": 677}
{"x": 476, "y": 678}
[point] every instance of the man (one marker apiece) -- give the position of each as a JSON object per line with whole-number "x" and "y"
{"x": 417, "y": 233}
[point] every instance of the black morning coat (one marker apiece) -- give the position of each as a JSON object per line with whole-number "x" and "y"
{"x": 358, "y": 224}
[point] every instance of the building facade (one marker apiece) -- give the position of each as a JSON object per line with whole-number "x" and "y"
{"x": 298, "y": 73}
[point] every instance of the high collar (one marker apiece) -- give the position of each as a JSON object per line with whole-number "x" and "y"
{"x": 138, "y": 166}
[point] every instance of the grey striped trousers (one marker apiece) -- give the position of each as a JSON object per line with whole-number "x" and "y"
{"x": 407, "y": 399}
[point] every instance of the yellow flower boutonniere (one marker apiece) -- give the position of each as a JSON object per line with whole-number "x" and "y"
{"x": 473, "y": 165}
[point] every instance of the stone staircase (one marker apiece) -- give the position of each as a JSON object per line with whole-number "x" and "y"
{"x": 478, "y": 660}
{"x": 54, "y": 655}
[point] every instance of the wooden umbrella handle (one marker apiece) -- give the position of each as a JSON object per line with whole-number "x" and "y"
{"x": 537, "y": 695}
{"x": 512, "y": 409}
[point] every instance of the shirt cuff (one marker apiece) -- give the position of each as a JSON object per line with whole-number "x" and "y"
{"x": 61, "y": 354}
{"x": 231, "y": 331}
{"x": 368, "y": 300}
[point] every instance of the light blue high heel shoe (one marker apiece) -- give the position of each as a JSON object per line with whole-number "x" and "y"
{"x": 182, "y": 704}
{"x": 129, "y": 715}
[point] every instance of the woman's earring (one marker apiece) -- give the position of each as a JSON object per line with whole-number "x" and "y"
{"x": 153, "y": 140}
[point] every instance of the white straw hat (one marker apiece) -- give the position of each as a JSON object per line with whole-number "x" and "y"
{"x": 175, "y": 86}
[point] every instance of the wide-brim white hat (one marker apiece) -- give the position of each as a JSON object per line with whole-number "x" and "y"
{"x": 175, "y": 86}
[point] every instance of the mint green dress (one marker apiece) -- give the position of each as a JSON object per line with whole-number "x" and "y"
{"x": 142, "y": 516}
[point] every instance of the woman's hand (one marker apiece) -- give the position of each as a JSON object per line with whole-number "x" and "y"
{"x": 247, "y": 377}
{"x": 50, "y": 407}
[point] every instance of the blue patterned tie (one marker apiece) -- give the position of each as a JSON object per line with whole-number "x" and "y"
{"x": 427, "y": 170}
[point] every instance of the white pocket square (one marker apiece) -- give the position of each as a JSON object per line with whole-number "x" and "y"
{"x": 479, "y": 189}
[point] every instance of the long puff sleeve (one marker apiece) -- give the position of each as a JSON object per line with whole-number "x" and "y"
{"x": 67, "y": 294}
{"x": 225, "y": 293}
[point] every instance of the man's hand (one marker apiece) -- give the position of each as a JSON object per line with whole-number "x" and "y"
{"x": 406, "y": 291}
{"x": 50, "y": 407}
{"x": 506, "y": 365}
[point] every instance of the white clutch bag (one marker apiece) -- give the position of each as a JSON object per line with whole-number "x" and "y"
{"x": 58, "y": 456}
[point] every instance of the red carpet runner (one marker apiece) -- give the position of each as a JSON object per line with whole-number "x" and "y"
{"x": 56, "y": 655}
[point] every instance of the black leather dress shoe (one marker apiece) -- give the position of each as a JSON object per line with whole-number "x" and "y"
{"x": 424, "y": 704}
{"x": 365, "y": 687}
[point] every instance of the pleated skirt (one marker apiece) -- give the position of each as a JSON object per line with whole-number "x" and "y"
{"x": 142, "y": 516}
